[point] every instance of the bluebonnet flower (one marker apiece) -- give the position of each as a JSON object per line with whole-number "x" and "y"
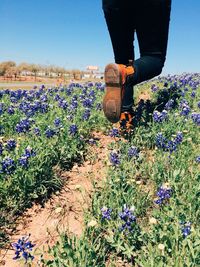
{"x": 193, "y": 94}
{"x": 185, "y": 228}
{"x": 36, "y": 131}
{"x": 86, "y": 115}
{"x": 133, "y": 152}
{"x": 57, "y": 97}
{"x": 154, "y": 88}
{"x": 91, "y": 93}
{"x": 23, "y": 126}
{"x": 128, "y": 218}
{"x": 29, "y": 152}
{"x": 170, "y": 104}
{"x": 160, "y": 141}
{"x": 23, "y": 161}
{"x": 11, "y": 144}
{"x": 50, "y": 132}
{"x": 160, "y": 116}
{"x": 170, "y": 146}
{"x": 23, "y": 249}
{"x": 10, "y": 110}
{"x": 8, "y": 166}
{"x": 44, "y": 108}
{"x": 198, "y": 104}
{"x": 90, "y": 84}
{"x": 68, "y": 91}
{"x": 106, "y": 213}
{"x": 73, "y": 129}
{"x": 164, "y": 194}
{"x": 92, "y": 141}
{"x": 63, "y": 104}
{"x": 74, "y": 105}
{"x": 182, "y": 93}
{"x": 196, "y": 118}
{"x": 1, "y": 108}
{"x": 198, "y": 159}
{"x": 179, "y": 138}
{"x": 57, "y": 122}
{"x": 114, "y": 158}
{"x": 185, "y": 109}
{"x": 87, "y": 102}
{"x": 114, "y": 132}
{"x": 165, "y": 84}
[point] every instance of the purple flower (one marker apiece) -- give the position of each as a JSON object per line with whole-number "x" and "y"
{"x": 160, "y": 141}
{"x": 185, "y": 228}
{"x": 169, "y": 105}
{"x": 133, "y": 152}
{"x": 29, "y": 152}
{"x": 10, "y": 110}
{"x": 168, "y": 145}
{"x": 22, "y": 248}
{"x": 198, "y": 104}
{"x": 154, "y": 88}
{"x": 50, "y": 132}
{"x": 92, "y": 141}
{"x": 23, "y": 126}
{"x": 11, "y": 144}
{"x": 87, "y": 102}
{"x": 36, "y": 131}
{"x": 163, "y": 194}
{"x": 73, "y": 129}
{"x": 114, "y": 132}
{"x": 198, "y": 159}
{"x": 179, "y": 138}
{"x": 23, "y": 161}
{"x": 128, "y": 218}
{"x": 196, "y": 118}
{"x": 57, "y": 122}
{"x": 185, "y": 109}
{"x": 86, "y": 115}
{"x": 106, "y": 213}
{"x": 114, "y": 158}
{"x": 160, "y": 116}
{"x": 193, "y": 94}
{"x": 8, "y": 166}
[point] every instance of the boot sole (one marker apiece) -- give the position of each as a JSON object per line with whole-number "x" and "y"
{"x": 112, "y": 101}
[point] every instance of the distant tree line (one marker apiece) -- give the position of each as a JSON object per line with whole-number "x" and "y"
{"x": 9, "y": 69}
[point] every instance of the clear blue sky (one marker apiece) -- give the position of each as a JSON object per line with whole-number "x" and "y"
{"x": 73, "y": 34}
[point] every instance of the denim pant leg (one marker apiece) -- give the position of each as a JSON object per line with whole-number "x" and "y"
{"x": 150, "y": 20}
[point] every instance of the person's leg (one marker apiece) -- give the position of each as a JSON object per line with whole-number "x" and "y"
{"x": 120, "y": 22}
{"x": 120, "y": 26}
{"x": 152, "y": 25}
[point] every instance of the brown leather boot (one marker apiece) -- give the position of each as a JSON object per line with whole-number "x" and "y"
{"x": 115, "y": 79}
{"x": 126, "y": 122}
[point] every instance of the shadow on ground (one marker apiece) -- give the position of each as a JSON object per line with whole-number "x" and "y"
{"x": 145, "y": 108}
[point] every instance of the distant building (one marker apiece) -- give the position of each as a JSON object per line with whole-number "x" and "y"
{"x": 92, "y": 69}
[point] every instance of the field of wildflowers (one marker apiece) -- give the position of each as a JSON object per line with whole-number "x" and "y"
{"x": 147, "y": 213}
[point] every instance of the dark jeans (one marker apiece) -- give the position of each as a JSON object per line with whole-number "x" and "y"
{"x": 150, "y": 20}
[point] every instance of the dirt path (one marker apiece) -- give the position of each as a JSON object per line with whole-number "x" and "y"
{"x": 64, "y": 211}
